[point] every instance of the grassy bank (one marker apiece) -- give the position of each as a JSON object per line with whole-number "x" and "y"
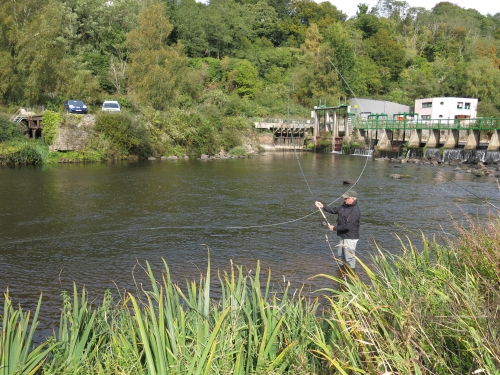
{"x": 430, "y": 311}
{"x": 115, "y": 136}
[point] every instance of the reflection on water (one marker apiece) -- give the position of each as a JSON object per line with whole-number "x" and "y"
{"x": 93, "y": 224}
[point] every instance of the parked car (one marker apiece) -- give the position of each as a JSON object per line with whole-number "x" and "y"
{"x": 75, "y": 106}
{"x": 111, "y": 106}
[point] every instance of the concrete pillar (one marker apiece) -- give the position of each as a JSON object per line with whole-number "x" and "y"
{"x": 494, "y": 144}
{"x": 451, "y": 140}
{"x": 415, "y": 139}
{"x": 384, "y": 143}
{"x": 316, "y": 126}
{"x": 328, "y": 125}
{"x": 433, "y": 141}
{"x": 361, "y": 135}
{"x": 335, "y": 126}
{"x": 472, "y": 140}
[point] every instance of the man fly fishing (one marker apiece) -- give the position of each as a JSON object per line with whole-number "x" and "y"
{"x": 348, "y": 221}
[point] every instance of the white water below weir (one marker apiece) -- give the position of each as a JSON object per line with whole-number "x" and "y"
{"x": 466, "y": 156}
{"x": 359, "y": 152}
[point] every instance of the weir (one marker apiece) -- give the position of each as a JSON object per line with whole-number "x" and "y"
{"x": 471, "y": 156}
{"x": 445, "y": 133}
{"x": 287, "y": 134}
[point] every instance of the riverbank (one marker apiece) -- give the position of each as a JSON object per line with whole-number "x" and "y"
{"x": 430, "y": 310}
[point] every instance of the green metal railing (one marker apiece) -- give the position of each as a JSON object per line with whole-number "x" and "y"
{"x": 383, "y": 123}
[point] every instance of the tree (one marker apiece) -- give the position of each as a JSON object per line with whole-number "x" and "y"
{"x": 317, "y": 79}
{"x": 156, "y": 71}
{"x": 226, "y": 23}
{"x": 264, "y": 22}
{"x": 482, "y": 81}
{"x": 16, "y": 20}
{"x": 388, "y": 55}
{"x": 245, "y": 79}
{"x": 344, "y": 59}
{"x": 189, "y": 28}
{"x": 313, "y": 40}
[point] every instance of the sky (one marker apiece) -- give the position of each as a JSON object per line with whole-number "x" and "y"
{"x": 484, "y": 7}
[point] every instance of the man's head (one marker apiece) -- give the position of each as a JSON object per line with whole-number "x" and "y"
{"x": 350, "y": 196}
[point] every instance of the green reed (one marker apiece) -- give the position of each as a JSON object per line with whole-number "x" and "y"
{"x": 423, "y": 312}
{"x": 432, "y": 310}
{"x": 16, "y": 353}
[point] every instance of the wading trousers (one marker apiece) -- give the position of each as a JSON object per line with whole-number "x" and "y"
{"x": 347, "y": 249}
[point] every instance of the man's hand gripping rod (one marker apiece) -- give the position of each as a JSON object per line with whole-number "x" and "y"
{"x": 324, "y": 217}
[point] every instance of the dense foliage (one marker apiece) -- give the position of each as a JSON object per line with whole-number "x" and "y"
{"x": 51, "y": 121}
{"x": 179, "y": 54}
{"x": 8, "y": 130}
{"x": 186, "y": 72}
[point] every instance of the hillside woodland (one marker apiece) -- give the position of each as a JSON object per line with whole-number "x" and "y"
{"x": 191, "y": 72}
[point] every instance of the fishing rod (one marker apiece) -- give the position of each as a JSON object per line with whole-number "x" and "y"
{"x": 324, "y": 217}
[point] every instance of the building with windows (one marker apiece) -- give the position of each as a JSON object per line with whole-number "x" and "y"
{"x": 446, "y": 108}
{"x": 364, "y": 108}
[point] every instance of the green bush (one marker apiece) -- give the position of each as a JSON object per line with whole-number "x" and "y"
{"x": 326, "y": 140}
{"x": 51, "y": 121}
{"x": 8, "y": 130}
{"x": 238, "y": 151}
{"x": 23, "y": 152}
{"x": 125, "y": 133}
{"x": 349, "y": 147}
{"x": 405, "y": 148}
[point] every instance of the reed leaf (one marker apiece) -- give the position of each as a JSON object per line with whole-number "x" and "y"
{"x": 16, "y": 353}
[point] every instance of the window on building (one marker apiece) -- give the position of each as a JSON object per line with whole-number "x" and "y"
{"x": 460, "y": 105}
{"x": 467, "y": 105}
{"x": 440, "y": 116}
{"x": 426, "y": 117}
{"x": 442, "y": 103}
{"x": 427, "y": 105}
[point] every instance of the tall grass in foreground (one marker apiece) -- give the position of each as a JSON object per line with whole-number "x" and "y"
{"x": 428, "y": 311}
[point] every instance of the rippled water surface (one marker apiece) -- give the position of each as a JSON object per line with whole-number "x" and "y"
{"x": 96, "y": 225}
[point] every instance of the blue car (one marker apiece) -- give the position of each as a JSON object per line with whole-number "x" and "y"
{"x": 75, "y": 106}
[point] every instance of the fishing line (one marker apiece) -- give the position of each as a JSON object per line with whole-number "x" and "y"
{"x": 295, "y": 148}
{"x": 369, "y": 145}
{"x": 292, "y": 131}
{"x": 461, "y": 187}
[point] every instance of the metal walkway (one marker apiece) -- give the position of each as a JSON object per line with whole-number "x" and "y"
{"x": 482, "y": 124}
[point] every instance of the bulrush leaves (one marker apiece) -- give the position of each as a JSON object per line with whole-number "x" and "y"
{"x": 428, "y": 311}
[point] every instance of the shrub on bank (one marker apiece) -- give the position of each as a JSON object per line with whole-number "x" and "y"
{"x": 23, "y": 152}
{"x": 9, "y": 130}
{"x": 51, "y": 121}
{"x": 126, "y": 135}
{"x": 238, "y": 151}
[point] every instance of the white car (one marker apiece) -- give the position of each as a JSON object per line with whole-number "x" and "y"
{"x": 111, "y": 106}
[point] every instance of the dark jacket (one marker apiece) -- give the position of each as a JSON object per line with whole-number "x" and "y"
{"x": 348, "y": 220}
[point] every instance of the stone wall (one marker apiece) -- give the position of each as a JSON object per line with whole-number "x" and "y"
{"x": 74, "y": 133}
{"x": 266, "y": 141}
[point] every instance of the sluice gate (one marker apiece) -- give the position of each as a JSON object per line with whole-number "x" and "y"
{"x": 287, "y": 134}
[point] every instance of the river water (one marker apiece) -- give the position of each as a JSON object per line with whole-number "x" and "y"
{"x": 97, "y": 224}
